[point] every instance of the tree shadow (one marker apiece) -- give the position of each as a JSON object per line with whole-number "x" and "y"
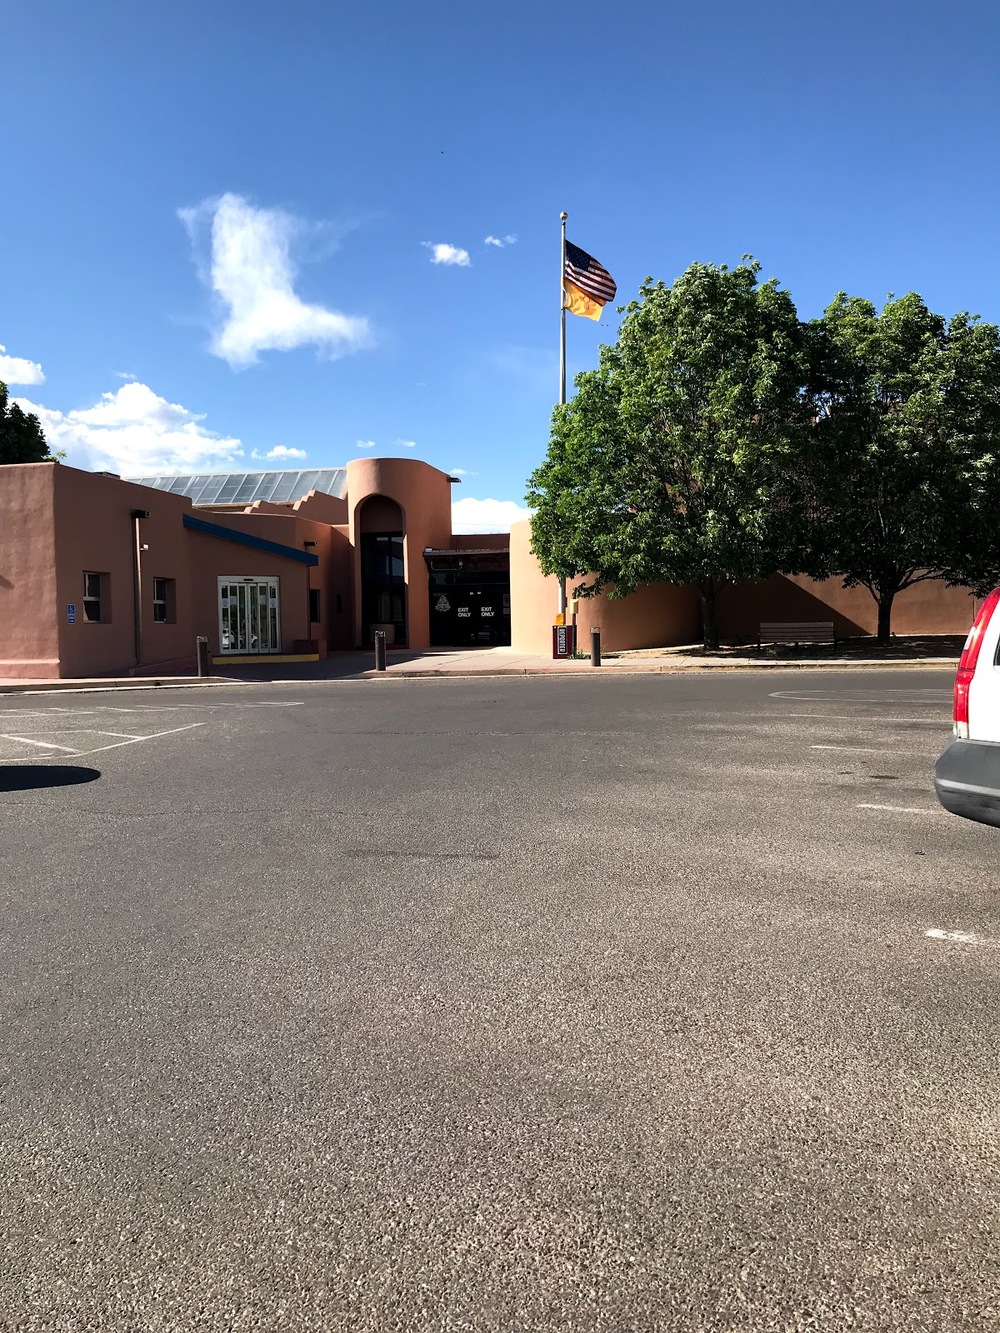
{"x": 31, "y": 777}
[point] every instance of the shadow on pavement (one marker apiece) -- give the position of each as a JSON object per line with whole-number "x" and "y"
{"x": 30, "y": 777}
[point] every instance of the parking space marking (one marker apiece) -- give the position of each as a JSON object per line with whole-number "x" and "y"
{"x": 961, "y": 937}
{"x": 898, "y": 809}
{"x": 115, "y": 745}
{"x": 937, "y": 697}
{"x": 49, "y": 745}
{"x": 868, "y": 749}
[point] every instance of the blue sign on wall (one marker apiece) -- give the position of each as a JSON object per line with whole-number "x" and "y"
{"x": 71, "y": 612}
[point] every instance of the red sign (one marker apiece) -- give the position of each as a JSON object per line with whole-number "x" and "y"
{"x": 563, "y": 640}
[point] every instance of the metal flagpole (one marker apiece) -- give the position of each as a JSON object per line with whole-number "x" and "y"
{"x": 562, "y": 312}
{"x": 562, "y": 365}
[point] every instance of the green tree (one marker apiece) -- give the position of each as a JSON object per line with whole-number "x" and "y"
{"x": 678, "y": 458}
{"x": 21, "y": 438}
{"x": 905, "y": 474}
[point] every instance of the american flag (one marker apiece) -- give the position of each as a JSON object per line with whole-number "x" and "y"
{"x": 589, "y": 275}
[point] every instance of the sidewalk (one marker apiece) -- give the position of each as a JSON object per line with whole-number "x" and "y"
{"x": 456, "y": 663}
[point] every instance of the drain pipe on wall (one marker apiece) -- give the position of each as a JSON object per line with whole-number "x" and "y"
{"x": 137, "y": 549}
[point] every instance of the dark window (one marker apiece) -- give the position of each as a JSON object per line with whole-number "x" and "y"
{"x": 314, "y": 606}
{"x": 340, "y": 604}
{"x": 383, "y": 588}
{"x": 93, "y": 599}
{"x": 164, "y": 601}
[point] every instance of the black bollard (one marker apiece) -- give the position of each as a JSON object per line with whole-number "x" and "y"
{"x": 201, "y": 652}
{"x": 595, "y": 647}
{"x": 380, "y": 650}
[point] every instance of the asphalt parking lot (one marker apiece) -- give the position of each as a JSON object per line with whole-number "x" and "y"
{"x": 646, "y": 1003}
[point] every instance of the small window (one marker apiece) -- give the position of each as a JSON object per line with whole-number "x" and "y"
{"x": 164, "y": 601}
{"x": 314, "y": 606}
{"x": 94, "y": 598}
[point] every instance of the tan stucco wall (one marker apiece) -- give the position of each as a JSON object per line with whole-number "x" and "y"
{"x": 29, "y": 634}
{"x": 927, "y": 608}
{"x": 423, "y": 493}
{"x": 653, "y": 616}
{"x": 94, "y": 532}
{"x": 663, "y": 614}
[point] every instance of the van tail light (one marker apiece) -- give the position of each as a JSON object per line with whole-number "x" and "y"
{"x": 967, "y": 664}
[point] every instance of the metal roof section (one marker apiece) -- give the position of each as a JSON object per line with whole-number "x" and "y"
{"x": 244, "y": 488}
{"x": 248, "y": 539}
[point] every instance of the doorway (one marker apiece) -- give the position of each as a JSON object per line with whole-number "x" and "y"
{"x": 249, "y": 615}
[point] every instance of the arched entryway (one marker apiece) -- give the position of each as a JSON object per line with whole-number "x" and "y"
{"x": 381, "y": 528}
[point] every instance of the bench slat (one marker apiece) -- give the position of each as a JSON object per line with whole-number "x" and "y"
{"x": 797, "y": 631}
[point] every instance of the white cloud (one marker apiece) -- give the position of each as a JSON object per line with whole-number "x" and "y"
{"x": 125, "y": 375}
{"x": 406, "y": 444}
{"x": 461, "y": 472}
{"x": 252, "y": 273}
{"x": 448, "y": 254}
{"x": 283, "y": 451}
{"x": 470, "y": 515}
{"x": 18, "y": 370}
{"x": 500, "y": 241}
{"x": 136, "y": 432}
{"x": 366, "y": 444}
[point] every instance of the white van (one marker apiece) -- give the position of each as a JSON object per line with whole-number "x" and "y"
{"x": 967, "y": 776}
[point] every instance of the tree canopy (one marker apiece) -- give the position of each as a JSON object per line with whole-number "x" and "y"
{"x": 21, "y": 437}
{"x": 722, "y": 438}
{"x": 675, "y": 460}
{"x": 905, "y": 472}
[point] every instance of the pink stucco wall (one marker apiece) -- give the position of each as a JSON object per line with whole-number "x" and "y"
{"x": 653, "y": 616}
{"x": 663, "y": 614}
{"x": 29, "y": 633}
{"x": 423, "y": 493}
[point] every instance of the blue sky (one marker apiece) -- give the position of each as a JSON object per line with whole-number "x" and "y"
{"x": 218, "y": 221}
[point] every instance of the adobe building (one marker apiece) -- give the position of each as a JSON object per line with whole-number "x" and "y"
{"x": 100, "y": 575}
{"x": 105, "y": 576}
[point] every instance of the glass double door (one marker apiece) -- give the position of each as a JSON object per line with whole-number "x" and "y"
{"x": 249, "y": 619}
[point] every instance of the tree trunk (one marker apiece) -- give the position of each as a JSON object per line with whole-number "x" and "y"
{"x": 884, "y": 601}
{"x": 709, "y": 627}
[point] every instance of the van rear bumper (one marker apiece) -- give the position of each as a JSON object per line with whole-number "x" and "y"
{"x": 967, "y": 780}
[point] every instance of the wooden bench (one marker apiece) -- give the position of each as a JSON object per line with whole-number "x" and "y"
{"x": 796, "y": 632}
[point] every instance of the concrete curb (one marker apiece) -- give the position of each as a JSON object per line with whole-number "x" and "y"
{"x": 674, "y": 670}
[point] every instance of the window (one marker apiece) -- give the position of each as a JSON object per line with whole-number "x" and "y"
{"x": 164, "y": 601}
{"x": 94, "y": 598}
{"x": 314, "y": 606}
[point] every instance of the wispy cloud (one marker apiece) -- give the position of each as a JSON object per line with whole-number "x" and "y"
{"x": 470, "y": 515}
{"x": 135, "y": 431}
{"x": 125, "y": 375}
{"x": 365, "y": 444}
{"x": 406, "y": 444}
{"x": 448, "y": 254}
{"x": 251, "y": 272}
{"x": 282, "y": 451}
{"x": 461, "y": 472}
{"x": 18, "y": 370}
{"x": 500, "y": 242}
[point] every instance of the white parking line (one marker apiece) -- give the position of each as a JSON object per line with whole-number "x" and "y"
{"x": 49, "y": 745}
{"x": 861, "y": 749}
{"x": 960, "y": 937}
{"x": 897, "y": 809}
{"x": 117, "y": 745}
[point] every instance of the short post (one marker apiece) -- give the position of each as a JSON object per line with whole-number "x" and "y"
{"x": 201, "y": 650}
{"x": 595, "y": 647}
{"x": 380, "y": 650}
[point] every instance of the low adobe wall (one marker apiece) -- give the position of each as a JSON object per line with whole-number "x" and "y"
{"x": 663, "y": 614}
{"x": 926, "y": 608}
{"x": 653, "y": 616}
